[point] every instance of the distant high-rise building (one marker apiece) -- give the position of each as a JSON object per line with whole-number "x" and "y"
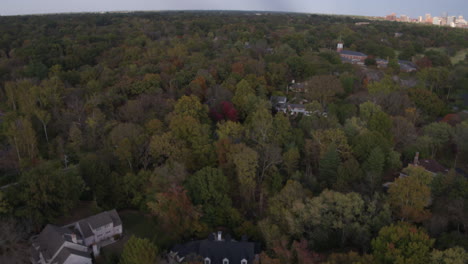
{"x": 391, "y": 17}
{"x": 404, "y": 18}
{"x": 420, "y": 19}
{"x": 428, "y": 18}
{"x": 436, "y": 21}
{"x": 451, "y": 19}
{"x": 444, "y": 14}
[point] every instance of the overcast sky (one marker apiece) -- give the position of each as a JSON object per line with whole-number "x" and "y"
{"x": 412, "y": 8}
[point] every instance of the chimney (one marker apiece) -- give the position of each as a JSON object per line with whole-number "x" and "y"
{"x": 416, "y": 159}
{"x": 219, "y": 238}
{"x": 73, "y": 238}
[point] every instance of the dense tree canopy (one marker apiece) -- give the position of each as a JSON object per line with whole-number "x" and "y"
{"x": 173, "y": 116}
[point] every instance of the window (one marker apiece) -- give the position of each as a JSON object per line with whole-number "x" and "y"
{"x": 225, "y": 261}
{"x": 243, "y": 261}
{"x": 207, "y": 261}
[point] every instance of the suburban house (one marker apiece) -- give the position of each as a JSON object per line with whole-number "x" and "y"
{"x": 216, "y": 250}
{"x": 295, "y": 109}
{"x": 74, "y": 243}
{"x": 429, "y": 165}
{"x": 100, "y": 227}
{"x": 280, "y": 104}
{"x": 407, "y": 66}
{"x": 59, "y": 245}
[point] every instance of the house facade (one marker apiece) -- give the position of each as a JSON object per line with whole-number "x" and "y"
{"x": 100, "y": 227}
{"x": 74, "y": 243}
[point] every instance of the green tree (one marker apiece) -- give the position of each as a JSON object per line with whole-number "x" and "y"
{"x": 231, "y": 130}
{"x": 461, "y": 137}
{"x": 381, "y": 123}
{"x": 335, "y": 219}
{"x": 384, "y": 86}
{"x": 350, "y": 175}
{"x": 409, "y": 196}
{"x": 367, "y": 110}
{"x": 291, "y": 160}
{"x": 209, "y": 187}
{"x": 456, "y": 255}
{"x": 4, "y": 206}
{"x": 322, "y": 88}
{"x": 374, "y": 166}
{"x": 21, "y": 134}
{"x": 191, "y": 106}
{"x": 244, "y": 99}
{"x": 328, "y": 166}
{"x": 139, "y": 251}
{"x": 245, "y": 161}
{"x": 50, "y": 191}
{"x": 402, "y": 243}
{"x": 427, "y": 101}
{"x": 336, "y": 137}
{"x": 440, "y": 134}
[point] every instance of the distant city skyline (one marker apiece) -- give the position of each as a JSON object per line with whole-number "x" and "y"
{"x": 346, "y": 7}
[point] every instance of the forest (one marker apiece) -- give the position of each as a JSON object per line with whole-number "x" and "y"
{"x": 168, "y": 118}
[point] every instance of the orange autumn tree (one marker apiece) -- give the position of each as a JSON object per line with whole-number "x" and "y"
{"x": 176, "y": 212}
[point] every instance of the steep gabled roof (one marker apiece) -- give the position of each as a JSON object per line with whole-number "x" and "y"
{"x": 99, "y": 220}
{"x": 66, "y": 252}
{"x": 50, "y": 240}
{"x": 432, "y": 166}
{"x": 115, "y": 217}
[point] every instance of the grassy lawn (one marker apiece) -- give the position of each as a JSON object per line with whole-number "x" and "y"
{"x": 460, "y": 56}
{"x": 140, "y": 225}
{"x": 134, "y": 223}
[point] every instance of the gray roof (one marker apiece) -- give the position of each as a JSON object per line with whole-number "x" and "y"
{"x": 115, "y": 217}
{"x": 234, "y": 251}
{"x": 297, "y": 106}
{"x": 51, "y": 239}
{"x": 99, "y": 220}
{"x": 278, "y": 99}
{"x": 85, "y": 229}
{"x": 353, "y": 53}
{"x": 66, "y": 252}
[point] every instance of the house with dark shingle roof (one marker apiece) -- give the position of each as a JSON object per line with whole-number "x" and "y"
{"x": 216, "y": 250}
{"x": 59, "y": 245}
{"x": 74, "y": 243}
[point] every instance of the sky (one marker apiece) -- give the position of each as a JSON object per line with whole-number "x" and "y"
{"x": 413, "y": 8}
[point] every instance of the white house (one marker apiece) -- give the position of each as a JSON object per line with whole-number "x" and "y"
{"x": 100, "y": 227}
{"x": 71, "y": 244}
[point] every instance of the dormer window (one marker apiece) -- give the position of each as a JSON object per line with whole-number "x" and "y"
{"x": 207, "y": 261}
{"x": 225, "y": 261}
{"x": 243, "y": 261}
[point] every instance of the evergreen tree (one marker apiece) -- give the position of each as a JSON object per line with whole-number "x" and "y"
{"x": 328, "y": 166}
